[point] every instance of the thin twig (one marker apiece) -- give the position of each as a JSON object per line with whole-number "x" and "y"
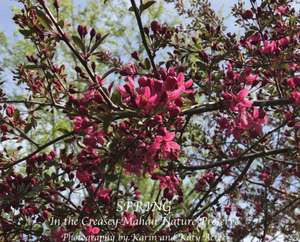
{"x": 141, "y": 28}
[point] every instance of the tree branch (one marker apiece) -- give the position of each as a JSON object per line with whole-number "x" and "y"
{"x": 5, "y": 167}
{"x": 219, "y": 105}
{"x": 141, "y": 28}
{"x": 228, "y": 190}
{"x": 64, "y": 37}
{"x": 238, "y": 159}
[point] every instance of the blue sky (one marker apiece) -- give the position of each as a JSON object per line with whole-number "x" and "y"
{"x": 7, "y": 25}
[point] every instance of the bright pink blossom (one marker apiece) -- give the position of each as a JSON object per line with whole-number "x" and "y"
{"x": 296, "y": 97}
{"x": 90, "y": 230}
{"x": 285, "y": 41}
{"x": 104, "y": 195}
{"x": 156, "y": 94}
{"x": 239, "y": 101}
{"x": 283, "y": 9}
{"x": 253, "y": 39}
{"x": 250, "y": 78}
{"x": 84, "y": 176}
{"x": 80, "y": 123}
{"x": 265, "y": 177}
{"x": 165, "y": 145}
{"x": 293, "y": 82}
{"x": 10, "y": 110}
{"x": 270, "y": 47}
{"x": 128, "y": 70}
{"x": 145, "y": 100}
{"x": 170, "y": 185}
{"x": 93, "y": 138}
{"x": 252, "y": 122}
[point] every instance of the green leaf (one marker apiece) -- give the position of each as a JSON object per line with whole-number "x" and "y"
{"x": 78, "y": 42}
{"x": 147, "y": 64}
{"x": 26, "y": 32}
{"x": 38, "y": 228}
{"x": 45, "y": 21}
{"x": 97, "y": 43}
{"x": 116, "y": 98}
{"x": 33, "y": 67}
{"x": 63, "y": 126}
{"x": 30, "y": 125}
{"x": 146, "y": 5}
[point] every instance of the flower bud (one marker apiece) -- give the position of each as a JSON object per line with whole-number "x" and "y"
{"x": 56, "y": 4}
{"x": 78, "y": 69}
{"x": 92, "y": 33}
{"x": 155, "y": 26}
{"x": 247, "y": 14}
{"x": 135, "y": 55}
{"x": 41, "y": 2}
{"x": 98, "y": 37}
{"x": 10, "y": 110}
{"x": 82, "y": 30}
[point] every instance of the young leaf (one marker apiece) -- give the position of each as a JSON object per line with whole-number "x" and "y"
{"x": 146, "y": 5}
{"x": 78, "y": 42}
{"x": 97, "y": 43}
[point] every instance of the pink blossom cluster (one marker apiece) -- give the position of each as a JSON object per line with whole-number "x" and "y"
{"x": 247, "y": 118}
{"x": 153, "y": 95}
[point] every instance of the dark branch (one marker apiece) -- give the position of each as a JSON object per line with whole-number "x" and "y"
{"x": 219, "y": 105}
{"x": 5, "y": 167}
{"x": 141, "y": 28}
{"x": 235, "y": 160}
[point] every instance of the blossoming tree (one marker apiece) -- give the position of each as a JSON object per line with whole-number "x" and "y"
{"x": 200, "y": 119}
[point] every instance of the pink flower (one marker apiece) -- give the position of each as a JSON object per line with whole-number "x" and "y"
{"x": 169, "y": 183}
{"x": 80, "y": 123}
{"x": 227, "y": 209}
{"x": 251, "y": 122}
{"x": 176, "y": 86}
{"x": 3, "y": 128}
{"x": 238, "y": 102}
{"x": 296, "y": 97}
{"x": 89, "y": 156}
{"x": 155, "y": 26}
{"x": 128, "y": 70}
{"x": 209, "y": 177}
{"x": 128, "y": 90}
{"x": 145, "y": 100}
{"x": 104, "y": 195}
{"x": 250, "y": 78}
{"x": 270, "y": 47}
{"x": 254, "y": 39}
{"x": 10, "y": 110}
{"x": 90, "y": 230}
{"x": 156, "y": 94}
{"x": 51, "y": 156}
{"x": 264, "y": 176}
{"x": 128, "y": 219}
{"x": 247, "y": 14}
{"x": 294, "y": 82}
{"x": 283, "y": 42}
{"x": 58, "y": 234}
{"x": 165, "y": 144}
{"x": 94, "y": 138}
{"x": 282, "y": 9}
{"x": 83, "y": 176}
